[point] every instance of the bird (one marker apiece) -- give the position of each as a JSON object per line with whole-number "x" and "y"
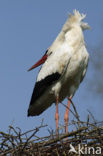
{"x": 64, "y": 66}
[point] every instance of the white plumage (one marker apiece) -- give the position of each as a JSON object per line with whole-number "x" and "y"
{"x": 67, "y": 60}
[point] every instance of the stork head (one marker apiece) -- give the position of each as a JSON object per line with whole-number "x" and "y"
{"x": 79, "y": 19}
{"x": 76, "y": 19}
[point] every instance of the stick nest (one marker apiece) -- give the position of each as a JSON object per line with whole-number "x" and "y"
{"x": 17, "y": 143}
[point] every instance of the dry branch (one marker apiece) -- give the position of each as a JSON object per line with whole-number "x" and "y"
{"x": 17, "y": 143}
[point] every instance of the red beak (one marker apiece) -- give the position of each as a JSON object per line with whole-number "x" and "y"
{"x": 41, "y": 61}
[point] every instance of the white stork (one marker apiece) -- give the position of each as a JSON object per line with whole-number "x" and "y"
{"x": 65, "y": 65}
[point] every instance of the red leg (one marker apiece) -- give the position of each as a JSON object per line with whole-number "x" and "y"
{"x": 57, "y": 115}
{"x": 66, "y": 116}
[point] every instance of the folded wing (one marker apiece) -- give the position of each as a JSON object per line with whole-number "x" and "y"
{"x": 51, "y": 71}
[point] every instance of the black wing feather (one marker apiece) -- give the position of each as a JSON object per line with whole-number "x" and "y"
{"x": 41, "y": 86}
